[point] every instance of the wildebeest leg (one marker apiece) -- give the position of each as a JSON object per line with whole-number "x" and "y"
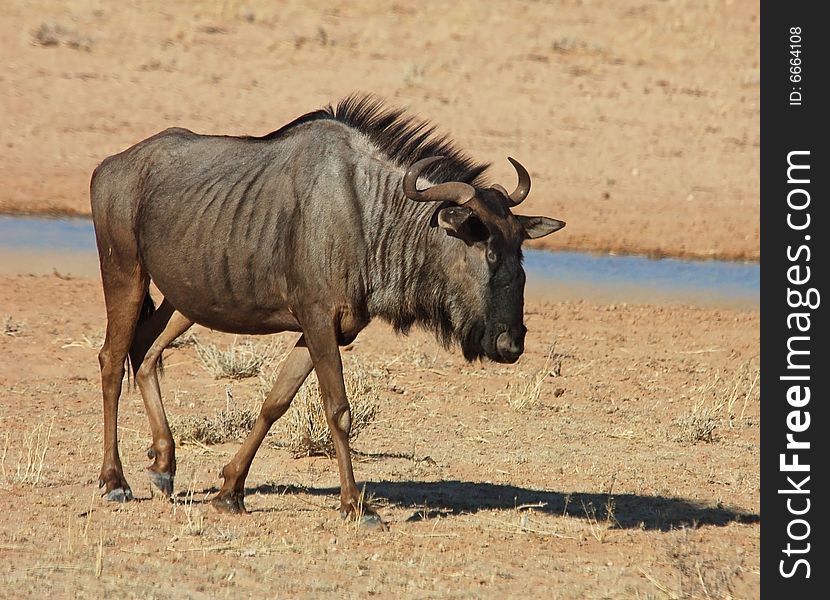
{"x": 147, "y": 332}
{"x": 123, "y": 294}
{"x": 293, "y": 373}
{"x": 321, "y": 338}
{"x": 163, "y": 450}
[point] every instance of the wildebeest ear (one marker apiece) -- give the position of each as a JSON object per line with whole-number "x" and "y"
{"x": 460, "y": 222}
{"x": 536, "y": 227}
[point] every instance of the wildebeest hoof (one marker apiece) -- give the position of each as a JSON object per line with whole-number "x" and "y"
{"x": 369, "y": 519}
{"x": 114, "y": 488}
{"x": 119, "y": 495}
{"x": 163, "y": 481}
{"x": 230, "y": 503}
{"x": 374, "y": 522}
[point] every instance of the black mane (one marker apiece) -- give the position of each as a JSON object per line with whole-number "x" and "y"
{"x": 404, "y": 139}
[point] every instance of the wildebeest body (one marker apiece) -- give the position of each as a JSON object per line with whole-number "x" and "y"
{"x": 224, "y": 218}
{"x": 316, "y": 228}
{"x": 260, "y": 224}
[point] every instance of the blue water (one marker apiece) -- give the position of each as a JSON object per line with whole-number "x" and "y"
{"x": 550, "y": 275}
{"x": 29, "y": 233}
{"x": 638, "y": 279}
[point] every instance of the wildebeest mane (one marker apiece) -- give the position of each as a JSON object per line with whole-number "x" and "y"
{"x": 403, "y": 138}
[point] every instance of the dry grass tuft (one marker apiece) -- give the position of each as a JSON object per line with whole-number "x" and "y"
{"x": 55, "y": 34}
{"x": 239, "y": 361}
{"x": 31, "y": 455}
{"x": 187, "y": 339}
{"x": 744, "y": 388}
{"x": 228, "y": 425}
{"x": 414, "y": 356}
{"x": 699, "y": 425}
{"x": 195, "y": 525}
{"x": 11, "y": 327}
{"x": 602, "y": 523}
{"x": 717, "y": 401}
{"x": 99, "y": 556}
{"x": 304, "y": 430}
{"x": 697, "y": 576}
{"x": 90, "y": 342}
{"x": 523, "y": 397}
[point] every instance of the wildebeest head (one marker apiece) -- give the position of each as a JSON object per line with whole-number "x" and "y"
{"x": 488, "y": 278}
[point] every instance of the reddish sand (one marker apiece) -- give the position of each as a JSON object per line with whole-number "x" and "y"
{"x": 482, "y": 500}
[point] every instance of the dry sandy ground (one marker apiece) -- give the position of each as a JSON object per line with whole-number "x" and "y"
{"x": 638, "y": 120}
{"x": 639, "y": 124}
{"x": 595, "y": 492}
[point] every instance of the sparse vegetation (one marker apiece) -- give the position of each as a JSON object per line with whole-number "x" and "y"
{"x": 55, "y": 34}
{"x": 304, "y": 430}
{"x": 524, "y": 396}
{"x": 697, "y": 576}
{"x": 195, "y": 525}
{"x": 187, "y": 339}
{"x": 227, "y": 425}
{"x": 413, "y": 355}
{"x": 717, "y": 401}
{"x": 239, "y": 361}
{"x": 12, "y": 327}
{"x": 699, "y": 425}
{"x": 31, "y": 455}
{"x": 602, "y": 522}
{"x": 91, "y": 342}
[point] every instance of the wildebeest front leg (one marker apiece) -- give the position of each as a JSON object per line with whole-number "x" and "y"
{"x": 325, "y": 353}
{"x": 293, "y": 373}
{"x": 163, "y": 450}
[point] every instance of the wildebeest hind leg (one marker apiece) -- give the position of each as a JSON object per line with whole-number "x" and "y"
{"x": 147, "y": 331}
{"x": 293, "y": 373}
{"x": 163, "y": 450}
{"x": 123, "y": 294}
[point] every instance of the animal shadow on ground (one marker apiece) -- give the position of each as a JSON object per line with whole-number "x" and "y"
{"x": 445, "y": 498}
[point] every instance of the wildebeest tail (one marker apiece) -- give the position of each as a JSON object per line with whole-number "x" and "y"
{"x": 141, "y": 340}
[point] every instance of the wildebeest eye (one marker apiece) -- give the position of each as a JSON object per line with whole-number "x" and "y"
{"x": 492, "y": 257}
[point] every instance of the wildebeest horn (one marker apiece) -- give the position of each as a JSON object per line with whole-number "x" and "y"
{"x": 451, "y": 191}
{"x": 521, "y": 191}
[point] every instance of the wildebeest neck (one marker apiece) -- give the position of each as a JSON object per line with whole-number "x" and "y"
{"x": 420, "y": 276}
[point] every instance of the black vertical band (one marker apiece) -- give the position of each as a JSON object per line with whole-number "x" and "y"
{"x": 794, "y": 334}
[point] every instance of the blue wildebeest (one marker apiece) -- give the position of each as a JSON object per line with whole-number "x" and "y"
{"x": 344, "y": 215}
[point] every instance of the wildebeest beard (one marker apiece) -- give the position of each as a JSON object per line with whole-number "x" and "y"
{"x": 463, "y": 328}
{"x": 472, "y": 341}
